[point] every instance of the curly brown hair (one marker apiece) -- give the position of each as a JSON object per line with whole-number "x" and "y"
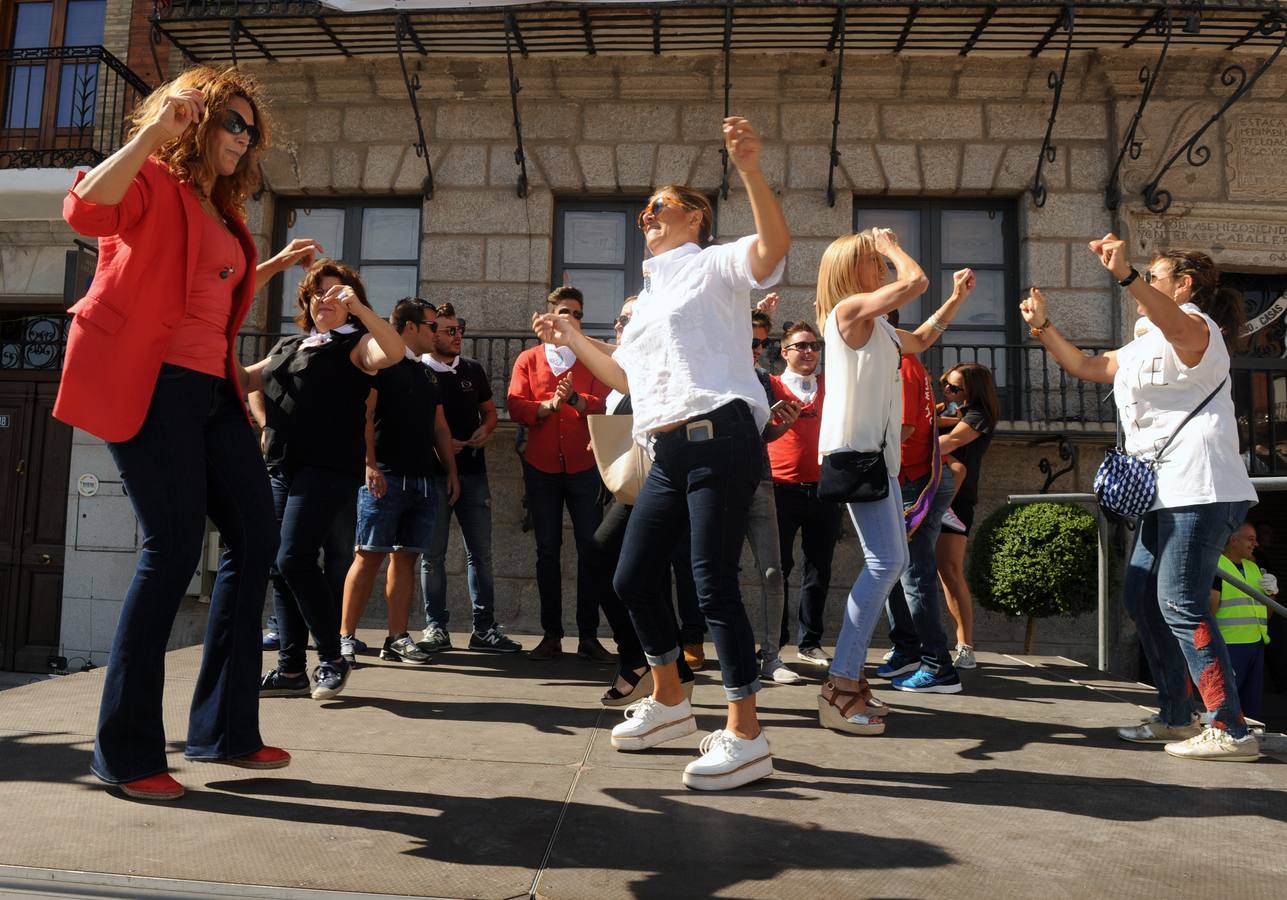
{"x": 310, "y": 284}
{"x": 1223, "y": 304}
{"x": 184, "y": 155}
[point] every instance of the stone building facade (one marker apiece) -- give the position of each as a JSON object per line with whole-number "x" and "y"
{"x": 610, "y": 128}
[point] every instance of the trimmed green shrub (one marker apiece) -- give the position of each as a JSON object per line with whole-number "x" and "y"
{"x": 1035, "y": 560}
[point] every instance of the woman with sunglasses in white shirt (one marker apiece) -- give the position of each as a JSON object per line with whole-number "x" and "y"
{"x": 699, "y": 406}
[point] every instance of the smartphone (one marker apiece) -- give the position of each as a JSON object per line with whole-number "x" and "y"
{"x": 701, "y": 430}
{"x": 778, "y": 407}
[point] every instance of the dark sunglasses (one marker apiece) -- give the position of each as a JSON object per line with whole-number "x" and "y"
{"x": 233, "y": 123}
{"x": 1150, "y": 276}
{"x": 950, "y": 388}
{"x": 574, "y": 313}
{"x": 622, "y": 321}
{"x": 806, "y": 346}
{"x": 453, "y": 330}
{"x": 756, "y": 343}
{"x": 657, "y": 206}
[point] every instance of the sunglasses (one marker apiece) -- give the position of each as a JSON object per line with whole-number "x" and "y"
{"x": 950, "y": 388}
{"x": 233, "y": 123}
{"x": 574, "y": 313}
{"x": 806, "y": 346}
{"x": 756, "y": 343}
{"x": 453, "y": 330}
{"x": 657, "y": 206}
{"x": 621, "y": 322}
{"x": 1150, "y": 276}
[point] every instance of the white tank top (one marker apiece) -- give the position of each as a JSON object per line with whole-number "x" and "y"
{"x": 864, "y": 403}
{"x": 1154, "y": 391}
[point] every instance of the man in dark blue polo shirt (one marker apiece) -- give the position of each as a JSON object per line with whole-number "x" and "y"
{"x": 397, "y": 506}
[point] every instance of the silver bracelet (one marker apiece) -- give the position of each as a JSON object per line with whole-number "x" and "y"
{"x": 934, "y": 323}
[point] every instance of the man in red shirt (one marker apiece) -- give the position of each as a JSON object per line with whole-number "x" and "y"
{"x": 920, "y": 661}
{"x": 794, "y": 458}
{"x": 552, "y": 393}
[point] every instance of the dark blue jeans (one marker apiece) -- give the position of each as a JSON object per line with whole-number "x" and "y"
{"x": 337, "y": 557}
{"x": 705, "y": 486}
{"x": 195, "y": 456}
{"x": 307, "y": 502}
{"x": 547, "y": 494}
{"x": 473, "y": 512}
{"x": 1167, "y": 592}
{"x": 818, "y": 522}
{"x": 915, "y": 618}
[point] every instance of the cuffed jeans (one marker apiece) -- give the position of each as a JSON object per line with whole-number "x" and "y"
{"x": 307, "y": 501}
{"x": 473, "y": 511}
{"x": 547, "y": 493}
{"x": 883, "y": 537}
{"x": 194, "y": 456}
{"x": 706, "y": 486}
{"x": 1166, "y": 591}
{"x": 762, "y": 535}
{"x": 915, "y": 619}
{"x": 818, "y": 522}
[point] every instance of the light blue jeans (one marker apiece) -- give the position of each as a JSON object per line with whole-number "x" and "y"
{"x": 762, "y": 536}
{"x": 884, "y": 547}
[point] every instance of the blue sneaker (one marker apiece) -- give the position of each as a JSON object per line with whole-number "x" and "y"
{"x": 898, "y": 664}
{"x": 923, "y": 681}
{"x": 329, "y": 678}
{"x": 271, "y": 641}
{"x": 275, "y": 684}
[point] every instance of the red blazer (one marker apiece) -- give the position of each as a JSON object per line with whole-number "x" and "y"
{"x": 121, "y": 330}
{"x": 561, "y": 442}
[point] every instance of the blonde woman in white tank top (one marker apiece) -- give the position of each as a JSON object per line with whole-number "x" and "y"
{"x": 1178, "y": 359}
{"x": 863, "y": 412}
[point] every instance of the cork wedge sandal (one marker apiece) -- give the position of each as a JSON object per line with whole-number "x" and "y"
{"x": 848, "y": 711}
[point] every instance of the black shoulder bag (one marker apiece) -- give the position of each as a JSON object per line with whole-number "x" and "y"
{"x": 854, "y": 476}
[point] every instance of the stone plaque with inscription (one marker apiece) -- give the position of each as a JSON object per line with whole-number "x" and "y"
{"x": 1257, "y": 156}
{"x": 1252, "y": 239}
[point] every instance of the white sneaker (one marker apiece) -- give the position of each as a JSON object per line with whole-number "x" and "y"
{"x": 649, "y": 723}
{"x": 1154, "y": 731}
{"x": 728, "y": 761}
{"x": 776, "y": 670}
{"x": 953, "y": 521}
{"x": 964, "y": 657}
{"x": 1217, "y": 744}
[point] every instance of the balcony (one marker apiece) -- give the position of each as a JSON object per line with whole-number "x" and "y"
{"x": 64, "y": 106}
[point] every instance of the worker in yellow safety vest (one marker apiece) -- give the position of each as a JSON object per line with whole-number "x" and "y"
{"x": 1244, "y": 622}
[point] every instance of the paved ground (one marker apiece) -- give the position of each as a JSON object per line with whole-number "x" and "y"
{"x": 486, "y": 776}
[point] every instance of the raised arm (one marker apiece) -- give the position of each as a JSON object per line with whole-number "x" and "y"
{"x": 855, "y": 313}
{"x": 301, "y": 251}
{"x": 932, "y": 328}
{"x": 1186, "y": 332}
{"x": 382, "y": 346}
{"x": 553, "y": 329}
{"x": 1088, "y": 368}
{"x": 773, "y": 237}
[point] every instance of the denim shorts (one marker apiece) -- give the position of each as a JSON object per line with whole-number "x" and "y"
{"x": 401, "y": 520}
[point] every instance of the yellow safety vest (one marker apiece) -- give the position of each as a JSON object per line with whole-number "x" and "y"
{"x": 1241, "y": 619}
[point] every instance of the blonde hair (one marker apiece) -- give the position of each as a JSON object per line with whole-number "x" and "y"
{"x": 185, "y": 155}
{"x": 840, "y": 273}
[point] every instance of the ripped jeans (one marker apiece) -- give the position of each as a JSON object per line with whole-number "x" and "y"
{"x": 1166, "y": 591}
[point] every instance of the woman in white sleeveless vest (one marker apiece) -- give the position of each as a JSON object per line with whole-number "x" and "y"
{"x": 1178, "y": 359}
{"x": 864, "y": 412}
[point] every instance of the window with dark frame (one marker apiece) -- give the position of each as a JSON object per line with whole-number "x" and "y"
{"x": 599, "y": 249}
{"x": 42, "y": 98}
{"x": 946, "y": 235}
{"x": 379, "y": 237}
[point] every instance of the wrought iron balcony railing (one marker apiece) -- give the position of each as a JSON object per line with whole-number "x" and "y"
{"x": 64, "y": 106}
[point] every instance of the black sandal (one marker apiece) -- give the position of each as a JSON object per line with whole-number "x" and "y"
{"x": 640, "y": 686}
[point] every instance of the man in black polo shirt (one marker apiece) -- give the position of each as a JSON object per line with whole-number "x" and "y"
{"x": 397, "y": 506}
{"x": 471, "y": 415}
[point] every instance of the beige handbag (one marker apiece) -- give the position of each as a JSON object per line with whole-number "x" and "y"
{"x": 623, "y": 463}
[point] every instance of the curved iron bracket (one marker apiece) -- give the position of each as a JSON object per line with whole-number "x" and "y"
{"x": 1163, "y": 23}
{"x": 1056, "y": 82}
{"x": 1067, "y": 452}
{"x": 514, "y": 87}
{"x": 1158, "y": 199}
{"x": 836, "y": 83}
{"x": 402, "y": 31}
{"x": 728, "y": 84}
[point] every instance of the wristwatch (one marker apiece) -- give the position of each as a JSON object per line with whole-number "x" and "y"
{"x": 1039, "y": 330}
{"x": 1126, "y": 282}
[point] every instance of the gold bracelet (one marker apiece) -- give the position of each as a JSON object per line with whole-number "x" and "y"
{"x": 1038, "y": 332}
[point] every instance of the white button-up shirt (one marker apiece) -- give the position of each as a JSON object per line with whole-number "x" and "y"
{"x": 686, "y": 351}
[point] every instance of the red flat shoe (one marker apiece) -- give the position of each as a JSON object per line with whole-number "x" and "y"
{"x": 263, "y": 758}
{"x": 154, "y": 787}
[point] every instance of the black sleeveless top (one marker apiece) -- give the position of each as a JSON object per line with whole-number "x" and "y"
{"x": 315, "y": 404}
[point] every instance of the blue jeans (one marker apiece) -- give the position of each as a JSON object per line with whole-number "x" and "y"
{"x": 547, "y": 494}
{"x": 1166, "y": 591}
{"x": 473, "y": 511}
{"x": 706, "y": 486}
{"x": 194, "y": 456}
{"x": 818, "y": 522}
{"x": 337, "y": 557}
{"x": 883, "y": 536}
{"x": 307, "y": 502}
{"x": 915, "y": 619}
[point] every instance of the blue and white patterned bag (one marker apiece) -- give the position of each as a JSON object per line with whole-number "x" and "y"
{"x": 1126, "y": 484}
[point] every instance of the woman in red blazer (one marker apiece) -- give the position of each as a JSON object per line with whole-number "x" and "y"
{"x": 150, "y": 369}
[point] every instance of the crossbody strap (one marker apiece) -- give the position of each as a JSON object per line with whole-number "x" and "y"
{"x": 1198, "y": 409}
